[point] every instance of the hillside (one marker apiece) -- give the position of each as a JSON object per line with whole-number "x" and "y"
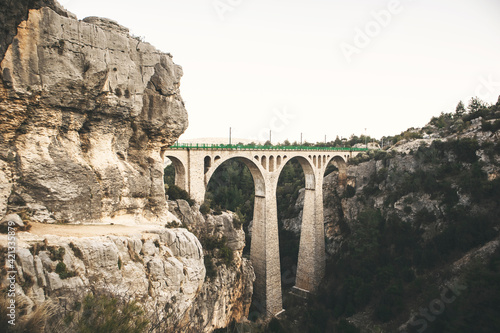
{"x": 414, "y": 227}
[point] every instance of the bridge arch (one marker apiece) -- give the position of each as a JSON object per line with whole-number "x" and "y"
{"x": 180, "y": 171}
{"x": 258, "y": 177}
{"x": 311, "y": 241}
{"x": 307, "y": 168}
{"x": 341, "y": 163}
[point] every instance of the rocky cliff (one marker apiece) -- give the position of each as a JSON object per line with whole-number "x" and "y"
{"x": 157, "y": 268}
{"x": 227, "y": 292}
{"x": 412, "y": 224}
{"x": 163, "y": 269}
{"x": 85, "y": 111}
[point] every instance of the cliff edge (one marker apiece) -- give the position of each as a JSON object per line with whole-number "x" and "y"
{"x": 85, "y": 111}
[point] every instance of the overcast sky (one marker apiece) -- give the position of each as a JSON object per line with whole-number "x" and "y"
{"x": 318, "y": 67}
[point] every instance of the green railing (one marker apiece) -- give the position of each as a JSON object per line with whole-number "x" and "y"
{"x": 258, "y": 147}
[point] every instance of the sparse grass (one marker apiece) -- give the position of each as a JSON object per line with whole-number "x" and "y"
{"x": 27, "y": 283}
{"x": 34, "y": 322}
{"x": 175, "y": 224}
{"x": 103, "y": 313}
{"x": 134, "y": 256}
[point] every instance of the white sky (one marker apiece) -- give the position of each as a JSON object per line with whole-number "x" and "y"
{"x": 258, "y": 58}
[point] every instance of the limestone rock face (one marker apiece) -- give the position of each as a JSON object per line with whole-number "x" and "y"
{"x": 12, "y": 220}
{"x": 85, "y": 111}
{"x": 162, "y": 270}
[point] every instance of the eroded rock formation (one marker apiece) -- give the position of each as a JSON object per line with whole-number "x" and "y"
{"x": 227, "y": 294}
{"x": 85, "y": 111}
{"x": 163, "y": 269}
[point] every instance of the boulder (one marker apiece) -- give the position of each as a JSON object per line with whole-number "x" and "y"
{"x": 11, "y": 220}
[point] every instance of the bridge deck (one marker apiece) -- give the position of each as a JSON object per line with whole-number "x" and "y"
{"x": 205, "y": 146}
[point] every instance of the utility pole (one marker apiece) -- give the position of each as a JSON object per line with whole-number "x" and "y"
{"x": 229, "y": 135}
{"x": 366, "y": 144}
{"x": 325, "y": 138}
{"x": 301, "y": 139}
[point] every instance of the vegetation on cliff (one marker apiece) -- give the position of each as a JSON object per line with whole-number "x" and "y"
{"x": 442, "y": 207}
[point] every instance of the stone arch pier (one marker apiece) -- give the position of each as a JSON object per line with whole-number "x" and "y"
{"x": 194, "y": 166}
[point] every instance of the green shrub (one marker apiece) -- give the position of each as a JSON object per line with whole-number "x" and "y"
{"x": 274, "y": 326}
{"x": 205, "y": 208}
{"x": 346, "y": 327}
{"x": 174, "y": 192}
{"x": 477, "y": 307}
{"x": 237, "y": 223}
{"x": 488, "y": 126}
{"x": 390, "y": 304}
{"x": 211, "y": 271}
{"x": 424, "y": 217}
{"x": 63, "y": 271}
{"x": 226, "y": 254}
{"x": 217, "y": 210}
{"x": 169, "y": 175}
{"x": 56, "y": 254}
{"x": 212, "y": 243}
{"x": 175, "y": 224}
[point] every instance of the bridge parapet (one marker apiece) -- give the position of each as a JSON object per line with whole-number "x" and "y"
{"x": 260, "y": 147}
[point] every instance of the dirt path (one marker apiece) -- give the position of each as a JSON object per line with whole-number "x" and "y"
{"x": 79, "y": 230}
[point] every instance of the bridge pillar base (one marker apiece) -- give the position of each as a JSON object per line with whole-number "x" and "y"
{"x": 302, "y": 293}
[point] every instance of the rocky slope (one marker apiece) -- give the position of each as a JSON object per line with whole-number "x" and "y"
{"x": 157, "y": 268}
{"x": 410, "y": 223}
{"x": 85, "y": 111}
{"x": 227, "y": 292}
{"x": 162, "y": 268}
{"x": 373, "y": 178}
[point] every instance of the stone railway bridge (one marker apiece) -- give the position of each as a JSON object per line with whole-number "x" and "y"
{"x": 196, "y": 163}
